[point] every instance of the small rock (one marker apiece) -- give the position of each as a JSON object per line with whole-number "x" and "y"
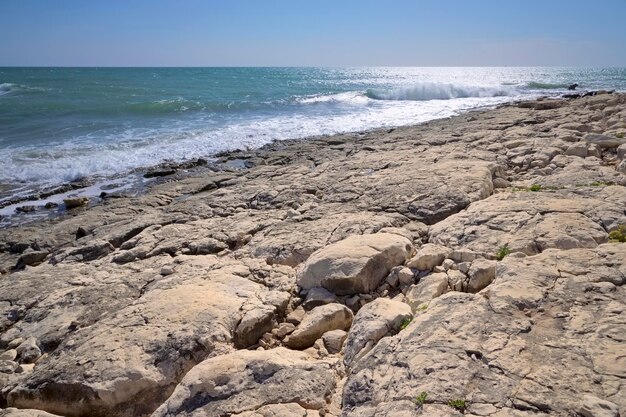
{"x": 392, "y": 279}
{"x": 621, "y": 167}
{"x": 28, "y": 351}
{"x": 159, "y": 173}
{"x": 32, "y": 258}
{"x": 15, "y": 343}
{"x": 448, "y": 264}
{"x": 50, "y": 205}
{"x": 353, "y": 303}
{"x": 501, "y": 183}
{"x": 74, "y": 202}
{"x": 374, "y": 321}
{"x": 621, "y": 152}
{"x": 252, "y": 326}
{"x": 595, "y": 407}
{"x": 457, "y": 280}
{"x": 429, "y": 287}
{"x": 7, "y": 367}
{"x": 317, "y": 322}
{"x": 25, "y": 368}
{"x": 283, "y": 330}
{"x": 406, "y": 276}
{"x": 429, "y": 256}
{"x": 333, "y": 340}
{"x": 26, "y": 209}
{"x": 296, "y": 316}
{"x": 464, "y": 267}
{"x": 577, "y": 149}
{"x": 481, "y": 273}
{"x": 318, "y": 296}
{"x": 8, "y": 355}
{"x": 167, "y": 270}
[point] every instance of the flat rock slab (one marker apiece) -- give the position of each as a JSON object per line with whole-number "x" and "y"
{"x": 247, "y": 381}
{"x": 356, "y": 264}
{"x": 318, "y": 321}
{"x": 511, "y": 347}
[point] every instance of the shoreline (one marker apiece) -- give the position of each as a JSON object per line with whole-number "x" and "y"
{"x": 390, "y": 272}
{"x": 32, "y": 208}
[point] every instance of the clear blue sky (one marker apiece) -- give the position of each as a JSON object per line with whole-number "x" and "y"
{"x": 314, "y": 32}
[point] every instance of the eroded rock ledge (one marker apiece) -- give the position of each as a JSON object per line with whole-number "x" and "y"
{"x": 468, "y": 265}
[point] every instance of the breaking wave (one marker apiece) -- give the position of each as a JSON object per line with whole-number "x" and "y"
{"x": 437, "y": 91}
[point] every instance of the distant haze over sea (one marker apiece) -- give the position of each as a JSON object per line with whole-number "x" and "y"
{"x": 62, "y": 124}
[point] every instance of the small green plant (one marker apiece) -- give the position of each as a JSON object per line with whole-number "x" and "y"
{"x": 420, "y": 400}
{"x": 405, "y": 323}
{"x": 423, "y": 307}
{"x": 619, "y": 135}
{"x": 619, "y": 234}
{"x": 535, "y": 187}
{"x": 503, "y": 251}
{"x": 460, "y": 405}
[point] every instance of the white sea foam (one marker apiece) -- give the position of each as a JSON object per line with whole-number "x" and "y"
{"x": 6, "y": 88}
{"x": 439, "y": 91}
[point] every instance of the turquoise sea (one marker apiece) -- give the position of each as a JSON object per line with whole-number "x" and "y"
{"x": 63, "y": 124}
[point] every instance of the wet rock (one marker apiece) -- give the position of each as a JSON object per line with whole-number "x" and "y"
{"x": 317, "y": 322}
{"x": 75, "y": 202}
{"x": 356, "y": 264}
{"x": 159, "y": 173}
{"x": 374, "y": 321}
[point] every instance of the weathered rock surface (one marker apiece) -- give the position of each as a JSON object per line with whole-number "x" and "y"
{"x": 510, "y": 348}
{"x": 357, "y": 264}
{"x": 246, "y": 381}
{"x": 380, "y": 318}
{"x": 318, "y": 321}
{"x": 119, "y": 300}
{"x": 429, "y": 256}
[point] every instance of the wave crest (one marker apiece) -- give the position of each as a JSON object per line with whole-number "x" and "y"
{"x": 437, "y": 91}
{"x": 6, "y": 88}
{"x": 546, "y": 86}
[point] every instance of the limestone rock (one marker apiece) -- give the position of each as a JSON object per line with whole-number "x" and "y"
{"x": 333, "y": 340}
{"x": 8, "y": 355}
{"x": 595, "y": 407}
{"x": 356, "y": 264}
{"x": 428, "y": 288}
{"x": 245, "y": 381}
{"x": 253, "y": 325}
{"x": 318, "y": 296}
{"x": 621, "y": 167}
{"x": 319, "y": 321}
{"x": 8, "y": 366}
{"x": 492, "y": 347}
{"x": 28, "y": 351}
{"x": 374, "y": 321}
{"x": 481, "y": 273}
{"x": 604, "y": 141}
{"x": 14, "y": 412}
{"x": 429, "y": 256}
{"x": 32, "y": 257}
{"x": 577, "y": 149}
{"x": 621, "y": 152}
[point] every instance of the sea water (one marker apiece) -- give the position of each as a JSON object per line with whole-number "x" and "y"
{"x": 59, "y": 125}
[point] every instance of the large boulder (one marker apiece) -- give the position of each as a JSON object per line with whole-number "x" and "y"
{"x": 374, "y": 321}
{"x": 318, "y": 321}
{"x": 356, "y": 264}
{"x": 431, "y": 286}
{"x": 246, "y": 381}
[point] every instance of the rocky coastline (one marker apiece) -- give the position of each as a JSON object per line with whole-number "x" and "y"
{"x": 468, "y": 266}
